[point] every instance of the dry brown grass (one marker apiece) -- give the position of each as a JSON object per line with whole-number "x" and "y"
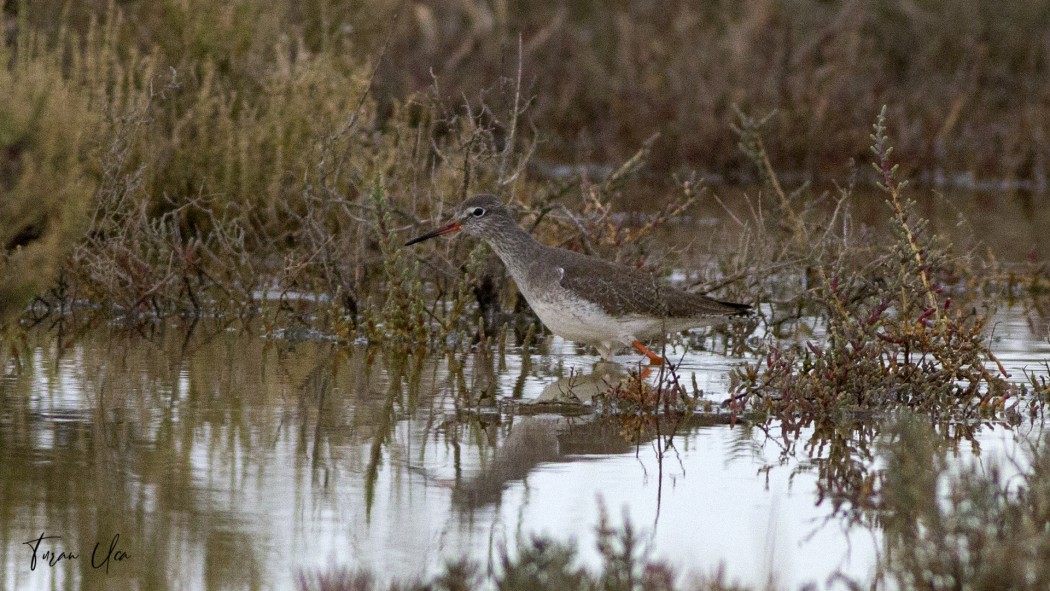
{"x": 45, "y": 187}
{"x": 967, "y": 82}
{"x": 242, "y": 146}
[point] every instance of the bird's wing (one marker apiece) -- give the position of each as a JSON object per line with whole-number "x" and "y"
{"x": 622, "y": 290}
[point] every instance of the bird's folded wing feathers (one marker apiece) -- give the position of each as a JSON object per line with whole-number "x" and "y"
{"x": 621, "y": 291}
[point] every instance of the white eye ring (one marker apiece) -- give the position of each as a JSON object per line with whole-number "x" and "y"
{"x": 477, "y": 212}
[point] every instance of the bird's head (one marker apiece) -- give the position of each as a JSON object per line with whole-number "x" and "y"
{"x": 480, "y": 215}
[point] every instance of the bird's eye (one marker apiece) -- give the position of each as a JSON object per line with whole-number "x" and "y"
{"x": 477, "y": 212}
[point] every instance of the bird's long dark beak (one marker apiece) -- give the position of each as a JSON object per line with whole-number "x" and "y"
{"x": 448, "y": 228}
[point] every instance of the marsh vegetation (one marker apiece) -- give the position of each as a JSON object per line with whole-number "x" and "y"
{"x": 195, "y": 178}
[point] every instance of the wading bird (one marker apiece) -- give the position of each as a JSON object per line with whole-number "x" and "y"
{"x": 583, "y": 298}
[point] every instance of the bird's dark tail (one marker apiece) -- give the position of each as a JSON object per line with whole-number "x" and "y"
{"x": 738, "y": 309}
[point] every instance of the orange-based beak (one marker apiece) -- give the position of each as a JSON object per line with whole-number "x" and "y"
{"x": 448, "y": 228}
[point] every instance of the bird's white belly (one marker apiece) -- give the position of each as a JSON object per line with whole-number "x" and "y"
{"x": 579, "y": 320}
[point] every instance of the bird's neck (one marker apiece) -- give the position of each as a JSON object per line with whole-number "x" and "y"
{"x": 514, "y": 246}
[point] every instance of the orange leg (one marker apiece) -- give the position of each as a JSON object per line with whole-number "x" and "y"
{"x": 654, "y": 359}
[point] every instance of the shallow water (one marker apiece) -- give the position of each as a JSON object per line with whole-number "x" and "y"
{"x": 231, "y": 461}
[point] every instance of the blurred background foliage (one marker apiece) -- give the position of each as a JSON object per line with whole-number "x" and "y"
{"x": 233, "y": 147}
{"x": 45, "y": 189}
{"x": 966, "y": 81}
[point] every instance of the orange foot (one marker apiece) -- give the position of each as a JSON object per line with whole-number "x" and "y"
{"x": 654, "y": 359}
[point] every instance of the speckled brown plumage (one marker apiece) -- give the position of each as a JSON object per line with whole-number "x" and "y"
{"x": 622, "y": 290}
{"x": 580, "y": 297}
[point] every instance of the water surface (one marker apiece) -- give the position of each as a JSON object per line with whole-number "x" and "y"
{"x": 227, "y": 460}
